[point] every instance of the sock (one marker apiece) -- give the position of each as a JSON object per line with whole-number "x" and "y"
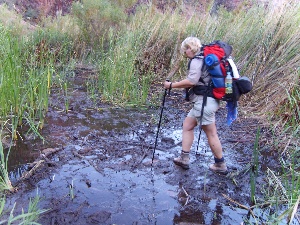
{"x": 219, "y": 160}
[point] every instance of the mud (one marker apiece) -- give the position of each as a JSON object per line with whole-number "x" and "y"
{"x": 103, "y": 171}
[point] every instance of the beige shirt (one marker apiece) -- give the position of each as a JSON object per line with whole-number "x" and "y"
{"x": 195, "y": 72}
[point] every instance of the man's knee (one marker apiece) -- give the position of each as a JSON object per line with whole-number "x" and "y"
{"x": 210, "y": 130}
{"x": 189, "y": 124}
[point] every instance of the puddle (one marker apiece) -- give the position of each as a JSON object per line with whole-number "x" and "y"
{"x": 121, "y": 194}
{"x": 20, "y": 154}
{"x": 104, "y": 173}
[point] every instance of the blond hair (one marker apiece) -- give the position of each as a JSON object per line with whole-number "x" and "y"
{"x": 191, "y": 42}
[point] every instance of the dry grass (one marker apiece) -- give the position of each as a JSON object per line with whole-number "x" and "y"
{"x": 14, "y": 21}
{"x": 275, "y": 67}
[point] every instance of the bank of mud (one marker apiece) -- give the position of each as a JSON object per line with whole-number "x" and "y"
{"x": 101, "y": 170}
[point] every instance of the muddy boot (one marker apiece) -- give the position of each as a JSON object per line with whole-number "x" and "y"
{"x": 183, "y": 160}
{"x": 219, "y": 166}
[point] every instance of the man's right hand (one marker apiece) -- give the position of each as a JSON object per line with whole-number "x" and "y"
{"x": 167, "y": 85}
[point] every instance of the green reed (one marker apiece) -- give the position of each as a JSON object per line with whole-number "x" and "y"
{"x": 254, "y": 169}
{"x": 134, "y": 53}
{"x": 25, "y": 82}
{"x": 29, "y": 217}
{"x": 94, "y": 18}
{"x": 291, "y": 185}
{"x": 66, "y": 97}
{"x": 33, "y": 212}
{"x": 141, "y": 49}
{"x": 135, "y": 57}
{"x": 282, "y": 191}
{"x": 5, "y": 183}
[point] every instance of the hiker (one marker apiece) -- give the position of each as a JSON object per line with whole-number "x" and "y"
{"x": 190, "y": 47}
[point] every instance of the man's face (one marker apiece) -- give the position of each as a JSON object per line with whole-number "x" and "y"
{"x": 189, "y": 53}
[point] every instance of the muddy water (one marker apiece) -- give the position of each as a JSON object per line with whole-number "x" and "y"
{"x": 103, "y": 172}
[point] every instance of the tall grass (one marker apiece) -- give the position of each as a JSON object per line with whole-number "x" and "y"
{"x": 94, "y": 18}
{"x": 136, "y": 58}
{"x": 28, "y": 74}
{"x": 265, "y": 44}
{"x": 25, "y": 82}
{"x": 133, "y": 53}
{"x": 281, "y": 190}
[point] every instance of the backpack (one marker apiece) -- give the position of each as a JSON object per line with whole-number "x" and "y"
{"x": 218, "y": 62}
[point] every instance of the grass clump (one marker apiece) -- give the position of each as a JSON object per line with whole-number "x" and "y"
{"x": 136, "y": 58}
{"x": 94, "y": 19}
{"x": 25, "y": 78}
{"x": 282, "y": 191}
{"x": 29, "y": 217}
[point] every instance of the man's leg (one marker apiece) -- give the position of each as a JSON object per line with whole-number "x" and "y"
{"x": 216, "y": 148}
{"x": 187, "y": 140}
{"x": 188, "y": 133}
{"x": 213, "y": 140}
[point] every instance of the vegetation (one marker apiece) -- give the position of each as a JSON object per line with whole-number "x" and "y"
{"x": 29, "y": 217}
{"x": 5, "y": 183}
{"x": 131, "y": 52}
{"x": 33, "y": 212}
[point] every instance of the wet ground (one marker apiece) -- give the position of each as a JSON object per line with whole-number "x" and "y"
{"x": 98, "y": 166}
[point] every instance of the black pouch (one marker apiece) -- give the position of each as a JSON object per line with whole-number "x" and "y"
{"x": 244, "y": 85}
{"x": 240, "y": 86}
{"x": 200, "y": 90}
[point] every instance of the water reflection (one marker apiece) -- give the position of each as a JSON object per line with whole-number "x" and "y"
{"x": 127, "y": 196}
{"x": 19, "y": 154}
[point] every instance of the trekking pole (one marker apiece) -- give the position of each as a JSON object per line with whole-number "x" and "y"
{"x": 160, "y": 118}
{"x": 199, "y": 137}
{"x": 200, "y": 125}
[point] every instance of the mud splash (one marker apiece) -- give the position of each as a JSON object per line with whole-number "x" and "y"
{"x": 103, "y": 171}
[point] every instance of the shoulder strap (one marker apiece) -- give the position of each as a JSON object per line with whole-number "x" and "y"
{"x": 198, "y": 56}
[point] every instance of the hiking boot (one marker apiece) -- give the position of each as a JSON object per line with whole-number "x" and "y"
{"x": 183, "y": 160}
{"x": 219, "y": 167}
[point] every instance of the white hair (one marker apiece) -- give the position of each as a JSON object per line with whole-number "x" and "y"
{"x": 191, "y": 42}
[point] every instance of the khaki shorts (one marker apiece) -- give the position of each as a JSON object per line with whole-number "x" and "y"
{"x": 210, "y": 109}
